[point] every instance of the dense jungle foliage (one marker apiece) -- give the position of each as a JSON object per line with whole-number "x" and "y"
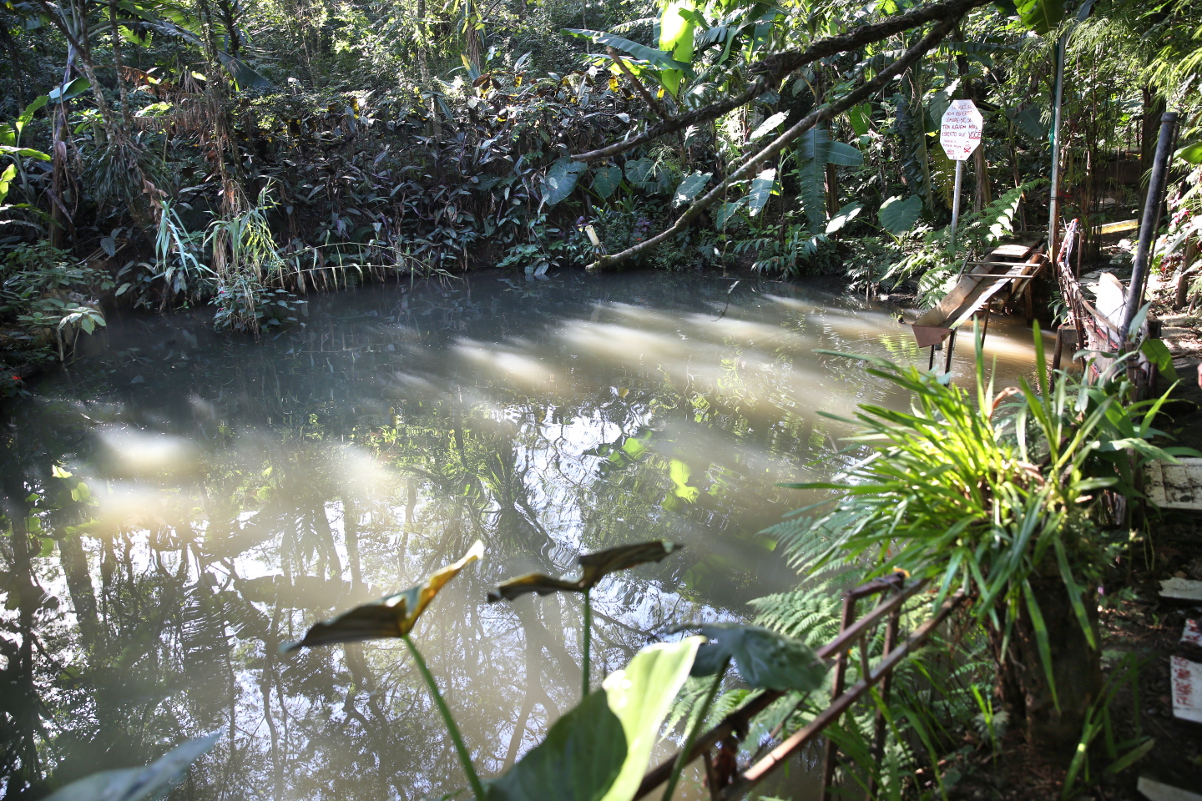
{"x": 161, "y": 154}
{"x": 243, "y": 156}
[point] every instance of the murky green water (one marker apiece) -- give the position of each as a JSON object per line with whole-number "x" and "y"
{"x": 236, "y": 492}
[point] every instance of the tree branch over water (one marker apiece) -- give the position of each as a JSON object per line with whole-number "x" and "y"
{"x": 776, "y": 68}
{"x": 821, "y": 114}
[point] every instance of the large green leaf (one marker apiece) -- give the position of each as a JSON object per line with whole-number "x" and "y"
{"x": 606, "y": 181}
{"x": 640, "y": 696}
{"x": 690, "y": 187}
{"x": 641, "y": 172}
{"x": 246, "y": 76}
{"x": 768, "y": 126}
{"x": 860, "y": 118}
{"x": 727, "y": 210}
{"x": 676, "y": 37}
{"x": 6, "y": 179}
{"x": 578, "y": 761}
{"x": 138, "y": 784}
{"x": 761, "y": 190}
{"x": 393, "y": 616}
{"x": 594, "y": 567}
{"x": 1041, "y": 16}
{"x": 1030, "y": 121}
{"x": 898, "y": 216}
{"x": 67, "y": 91}
{"x": 1191, "y": 153}
{"x": 24, "y": 152}
{"x": 561, "y": 179}
{"x": 655, "y": 58}
{"x": 765, "y": 659}
{"x": 842, "y": 154}
{"x": 845, "y": 215}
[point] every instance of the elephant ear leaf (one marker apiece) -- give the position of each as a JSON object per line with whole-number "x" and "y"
{"x": 765, "y": 659}
{"x": 578, "y": 761}
{"x": 597, "y": 566}
{"x": 531, "y": 582}
{"x": 594, "y": 567}
{"x": 390, "y": 617}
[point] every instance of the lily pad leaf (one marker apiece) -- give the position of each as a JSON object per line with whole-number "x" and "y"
{"x": 139, "y": 784}
{"x": 594, "y": 567}
{"x": 578, "y": 761}
{"x": 765, "y": 659}
{"x": 390, "y": 617}
{"x": 640, "y": 695}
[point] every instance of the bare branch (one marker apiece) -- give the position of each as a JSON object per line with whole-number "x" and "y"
{"x": 776, "y": 68}
{"x": 651, "y": 101}
{"x": 819, "y": 115}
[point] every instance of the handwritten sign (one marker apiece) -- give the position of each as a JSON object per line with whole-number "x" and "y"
{"x": 960, "y": 129}
{"x": 1186, "y": 680}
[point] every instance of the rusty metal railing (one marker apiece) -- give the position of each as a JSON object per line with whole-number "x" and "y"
{"x": 854, "y": 633}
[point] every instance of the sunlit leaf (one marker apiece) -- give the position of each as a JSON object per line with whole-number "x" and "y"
{"x": 860, "y": 117}
{"x": 1158, "y": 353}
{"x": 578, "y": 761}
{"x": 761, "y": 190}
{"x": 1041, "y": 16}
{"x": 768, "y": 126}
{"x": 898, "y": 216}
{"x": 845, "y": 215}
{"x": 67, "y": 91}
{"x": 594, "y": 567}
{"x": 1191, "y": 153}
{"x": 640, "y": 696}
{"x": 765, "y": 659}
{"x": 138, "y": 784}
{"x": 656, "y": 58}
{"x": 690, "y": 187}
{"x": 393, "y": 616}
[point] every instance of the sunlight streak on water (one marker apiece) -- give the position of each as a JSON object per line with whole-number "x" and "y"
{"x": 254, "y": 488}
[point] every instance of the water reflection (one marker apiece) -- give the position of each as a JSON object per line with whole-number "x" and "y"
{"x": 184, "y": 502}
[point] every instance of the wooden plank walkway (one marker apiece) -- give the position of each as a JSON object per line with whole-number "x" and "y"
{"x": 1010, "y": 267}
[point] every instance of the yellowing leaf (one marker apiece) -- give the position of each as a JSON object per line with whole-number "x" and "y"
{"x": 393, "y": 616}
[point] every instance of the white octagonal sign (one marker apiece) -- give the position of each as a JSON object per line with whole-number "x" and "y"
{"x": 960, "y": 129}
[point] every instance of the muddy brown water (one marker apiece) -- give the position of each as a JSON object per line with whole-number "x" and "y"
{"x": 228, "y": 493}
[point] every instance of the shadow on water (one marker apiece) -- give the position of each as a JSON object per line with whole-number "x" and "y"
{"x": 185, "y": 501}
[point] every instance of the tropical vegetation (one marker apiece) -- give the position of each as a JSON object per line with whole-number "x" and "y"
{"x": 245, "y": 157}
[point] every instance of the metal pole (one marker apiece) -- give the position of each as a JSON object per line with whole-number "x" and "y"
{"x": 1150, "y": 222}
{"x": 956, "y": 200}
{"x": 1057, "y": 102}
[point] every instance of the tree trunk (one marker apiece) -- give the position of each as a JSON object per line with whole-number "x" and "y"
{"x": 1077, "y": 669}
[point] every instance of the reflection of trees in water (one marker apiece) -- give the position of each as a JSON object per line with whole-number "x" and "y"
{"x": 330, "y": 477}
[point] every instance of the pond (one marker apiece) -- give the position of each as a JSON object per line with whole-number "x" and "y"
{"x": 202, "y": 498}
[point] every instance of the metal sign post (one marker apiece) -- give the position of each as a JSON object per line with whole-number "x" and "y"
{"x": 960, "y": 134}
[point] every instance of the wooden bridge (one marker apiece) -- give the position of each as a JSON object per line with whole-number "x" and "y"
{"x": 1008, "y": 272}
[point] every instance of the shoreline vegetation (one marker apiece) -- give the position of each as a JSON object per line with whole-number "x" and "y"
{"x": 160, "y": 155}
